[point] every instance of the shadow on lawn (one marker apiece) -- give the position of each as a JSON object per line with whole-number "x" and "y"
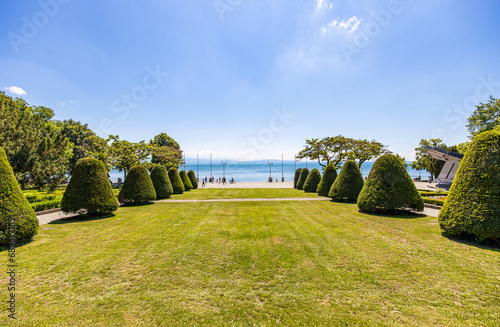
{"x": 470, "y": 240}
{"x": 79, "y": 218}
{"x": 402, "y": 214}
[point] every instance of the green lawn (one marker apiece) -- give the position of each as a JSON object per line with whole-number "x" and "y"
{"x": 285, "y": 263}
{"x": 242, "y": 193}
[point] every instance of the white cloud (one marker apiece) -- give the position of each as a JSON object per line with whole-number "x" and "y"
{"x": 349, "y": 26}
{"x": 323, "y": 4}
{"x": 65, "y": 103}
{"x": 15, "y": 90}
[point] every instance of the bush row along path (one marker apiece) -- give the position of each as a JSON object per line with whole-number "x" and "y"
{"x": 47, "y": 218}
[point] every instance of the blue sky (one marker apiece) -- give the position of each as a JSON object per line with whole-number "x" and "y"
{"x": 254, "y": 79}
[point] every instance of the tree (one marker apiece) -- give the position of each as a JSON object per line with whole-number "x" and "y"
{"x": 329, "y": 176}
{"x": 14, "y": 207}
{"x": 296, "y": 177}
{"x": 78, "y": 134}
{"x": 389, "y": 188}
{"x": 126, "y": 154}
{"x": 176, "y": 181}
{"x": 161, "y": 182}
{"x": 302, "y": 178}
{"x": 424, "y": 161}
{"x": 329, "y": 149}
{"x": 137, "y": 187}
{"x": 167, "y": 151}
{"x": 312, "y": 181}
{"x": 348, "y": 184}
{"x": 364, "y": 150}
{"x": 193, "y": 179}
{"x": 472, "y": 206}
{"x": 485, "y": 117}
{"x": 89, "y": 189}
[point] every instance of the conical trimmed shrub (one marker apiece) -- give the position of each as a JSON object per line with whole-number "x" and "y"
{"x": 329, "y": 176}
{"x": 176, "y": 181}
{"x": 193, "y": 179}
{"x": 312, "y": 181}
{"x": 89, "y": 189}
{"x": 389, "y": 187}
{"x": 14, "y": 208}
{"x": 296, "y": 177}
{"x": 302, "y": 178}
{"x": 161, "y": 182}
{"x": 185, "y": 180}
{"x": 472, "y": 207}
{"x": 348, "y": 184}
{"x": 137, "y": 188}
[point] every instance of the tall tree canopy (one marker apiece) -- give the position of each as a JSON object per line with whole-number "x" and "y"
{"x": 127, "y": 154}
{"x": 485, "y": 117}
{"x": 337, "y": 149}
{"x": 166, "y": 151}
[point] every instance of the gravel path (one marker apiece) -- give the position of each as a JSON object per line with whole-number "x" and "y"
{"x": 47, "y": 218}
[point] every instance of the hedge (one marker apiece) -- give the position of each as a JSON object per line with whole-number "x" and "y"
{"x": 13, "y": 206}
{"x": 161, "y": 182}
{"x": 45, "y": 205}
{"x": 348, "y": 184}
{"x": 193, "y": 179}
{"x": 302, "y": 178}
{"x": 472, "y": 207}
{"x": 176, "y": 181}
{"x": 434, "y": 201}
{"x": 89, "y": 189}
{"x": 389, "y": 187}
{"x": 137, "y": 188}
{"x": 329, "y": 176}
{"x": 296, "y": 177}
{"x": 312, "y": 181}
{"x": 185, "y": 180}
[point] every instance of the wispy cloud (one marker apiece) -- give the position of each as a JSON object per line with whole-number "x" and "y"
{"x": 69, "y": 102}
{"x": 323, "y": 4}
{"x": 16, "y": 90}
{"x": 349, "y": 26}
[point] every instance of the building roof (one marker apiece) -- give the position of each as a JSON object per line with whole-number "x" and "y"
{"x": 443, "y": 155}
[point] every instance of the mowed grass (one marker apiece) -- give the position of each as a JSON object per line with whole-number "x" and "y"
{"x": 242, "y": 193}
{"x": 286, "y": 263}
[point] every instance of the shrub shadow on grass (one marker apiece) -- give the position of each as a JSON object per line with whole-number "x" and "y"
{"x": 138, "y": 204}
{"x": 19, "y": 243}
{"x": 470, "y": 240}
{"x": 402, "y": 214}
{"x": 80, "y": 218}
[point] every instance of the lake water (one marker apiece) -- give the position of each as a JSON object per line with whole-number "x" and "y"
{"x": 258, "y": 171}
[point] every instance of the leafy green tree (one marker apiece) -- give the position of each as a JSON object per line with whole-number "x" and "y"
{"x": 485, "y": 117}
{"x": 302, "y": 178}
{"x": 161, "y": 182}
{"x": 296, "y": 177}
{"x": 126, "y": 154}
{"x": 13, "y": 205}
{"x": 176, "y": 181}
{"x": 364, "y": 150}
{"x": 193, "y": 179}
{"x": 166, "y": 151}
{"x": 329, "y": 176}
{"x": 312, "y": 181}
{"x": 424, "y": 161}
{"x": 89, "y": 189}
{"x": 473, "y": 204}
{"x": 332, "y": 150}
{"x": 389, "y": 188}
{"x": 185, "y": 180}
{"x": 348, "y": 184}
{"x": 137, "y": 188}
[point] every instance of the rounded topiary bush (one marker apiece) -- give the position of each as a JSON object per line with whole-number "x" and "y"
{"x": 348, "y": 184}
{"x": 312, "y": 181}
{"x": 185, "y": 180}
{"x": 15, "y": 210}
{"x": 296, "y": 177}
{"x": 389, "y": 187}
{"x": 329, "y": 176}
{"x": 193, "y": 179}
{"x": 89, "y": 189}
{"x": 161, "y": 182}
{"x": 137, "y": 187}
{"x": 302, "y": 178}
{"x": 472, "y": 207}
{"x": 176, "y": 181}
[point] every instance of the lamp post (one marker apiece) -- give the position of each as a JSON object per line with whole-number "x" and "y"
{"x": 270, "y": 178}
{"x": 282, "y": 178}
{"x": 223, "y": 169}
{"x": 211, "y": 168}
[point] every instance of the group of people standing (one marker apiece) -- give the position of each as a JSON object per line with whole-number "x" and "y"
{"x": 219, "y": 180}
